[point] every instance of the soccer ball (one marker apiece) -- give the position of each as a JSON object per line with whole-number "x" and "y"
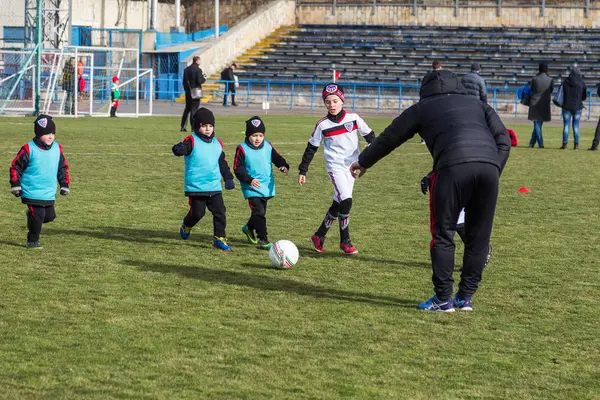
{"x": 284, "y": 254}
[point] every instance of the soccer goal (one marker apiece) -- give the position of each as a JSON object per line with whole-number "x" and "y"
{"x": 75, "y": 81}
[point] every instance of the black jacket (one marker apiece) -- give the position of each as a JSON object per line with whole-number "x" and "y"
{"x": 193, "y": 77}
{"x": 457, "y": 128}
{"x": 574, "y": 91}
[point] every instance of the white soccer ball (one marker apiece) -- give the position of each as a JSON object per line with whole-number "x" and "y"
{"x": 284, "y": 254}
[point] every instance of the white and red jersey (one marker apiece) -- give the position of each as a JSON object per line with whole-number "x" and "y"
{"x": 341, "y": 139}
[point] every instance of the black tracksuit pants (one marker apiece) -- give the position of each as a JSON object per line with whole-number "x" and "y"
{"x": 215, "y": 204}
{"x": 191, "y": 106}
{"x": 475, "y": 187}
{"x": 258, "y": 216}
{"x": 36, "y": 216}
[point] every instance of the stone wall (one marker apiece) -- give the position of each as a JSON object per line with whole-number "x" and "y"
{"x": 246, "y": 34}
{"x": 468, "y": 16}
{"x": 200, "y": 14}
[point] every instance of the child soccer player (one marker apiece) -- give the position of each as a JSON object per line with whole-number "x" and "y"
{"x": 252, "y": 167}
{"x": 339, "y": 132}
{"x": 204, "y": 165}
{"x": 33, "y": 175}
{"x": 115, "y": 95}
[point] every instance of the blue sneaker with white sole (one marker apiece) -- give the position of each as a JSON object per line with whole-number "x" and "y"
{"x": 435, "y": 304}
{"x": 465, "y": 304}
{"x": 185, "y": 231}
{"x": 221, "y": 243}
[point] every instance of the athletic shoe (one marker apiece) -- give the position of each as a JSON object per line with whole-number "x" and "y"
{"x": 264, "y": 245}
{"x": 185, "y": 231}
{"x": 435, "y": 304}
{"x": 318, "y": 243}
{"x": 463, "y": 304}
{"x": 221, "y": 243}
{"x": 34, "y": 245}
{"x": 347, "y": 247}
{"x": 249, "y": 234}
{"x": 487, "y": 259}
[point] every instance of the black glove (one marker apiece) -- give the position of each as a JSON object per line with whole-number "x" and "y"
{"x": 425, "y": 184}
{"x": 16, "y": 191}
{"x": 64, "y": 191}
{"x": 178, "y": 148}
{"x": 229, "y": 184}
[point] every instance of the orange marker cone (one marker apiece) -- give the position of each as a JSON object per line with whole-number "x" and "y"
{"x": 523, "y": 190}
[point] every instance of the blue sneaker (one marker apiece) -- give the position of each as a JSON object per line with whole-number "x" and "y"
{"x": 435, "y": 304}
{"x": 34, "y": 245}
{"x": 221, "y": 243}
{"x": 463, "y": 304}
{"x": 185, "y": 231}
{"x": 249, "y": 234}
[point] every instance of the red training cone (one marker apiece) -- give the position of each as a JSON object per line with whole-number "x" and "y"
{"x": 523, "y": 190}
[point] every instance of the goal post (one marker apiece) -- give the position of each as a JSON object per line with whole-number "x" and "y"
{"x": 75, "y": 81}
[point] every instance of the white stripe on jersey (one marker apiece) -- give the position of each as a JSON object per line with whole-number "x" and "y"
{"x": 341, "y": 139}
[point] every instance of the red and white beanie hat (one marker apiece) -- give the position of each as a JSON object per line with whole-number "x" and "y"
{"x": 333, "y": 88}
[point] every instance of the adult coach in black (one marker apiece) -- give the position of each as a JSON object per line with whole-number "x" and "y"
{"x": 193, "y": 77}
{"x": 470, "y": 147}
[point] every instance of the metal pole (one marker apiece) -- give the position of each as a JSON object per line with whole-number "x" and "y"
{"x": 587, "y": 8}
{"x": 456, "y": 9}
{"x": 91, "y": 87}
{"x": 149, "y": 14}
{"x": 543, "y": 7}
{"x": 374, "y": 7}
{"x": 414, "y": 11}
{"x": 177, "y": 13}
{"x": 155, "y": 15}
{"x": 38, "y": 57}
{"x": 499, "y": 8}
{"x": 333, "y": 7}
{"x": 216, "y": 19}
{"x": 70, "y": 24}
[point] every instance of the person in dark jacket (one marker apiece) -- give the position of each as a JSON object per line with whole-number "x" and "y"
{"x": 597, "y": 133}
{"x": 33, "y": 176}
{"x": 539, "y": 105}
{"x": 474, "y": 84}
{"x": 470, "y": 147}
{"x": 575, "y": 93}
{"x": 193, "y": 77}
{"x": 68, "y": 85}
{"x": 228, "y": 75}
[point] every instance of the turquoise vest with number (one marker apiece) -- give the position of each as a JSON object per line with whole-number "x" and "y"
{"x": 38, "y": 181}
{"x": 202, "y": 173}
{"x": 258, "y": 165}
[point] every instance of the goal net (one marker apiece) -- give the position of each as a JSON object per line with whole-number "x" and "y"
{"x": 75, "y": 81}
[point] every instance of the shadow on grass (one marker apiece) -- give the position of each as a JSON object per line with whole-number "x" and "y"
{"x": 268, "y": 283}
{"x": 15, "y": 244}
{"x": 124, "y": 234}
{"x": 308, "y": 252}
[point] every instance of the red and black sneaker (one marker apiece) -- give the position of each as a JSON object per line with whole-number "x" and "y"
{"x": 347, "y": 247}
{"x": 318, "y": 243}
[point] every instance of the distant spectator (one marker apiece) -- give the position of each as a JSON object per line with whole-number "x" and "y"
{"x": 193, "y": 78}
{"x": 228, "y": 75}
{"x": 539, "y": 105}
{"x": 597, "y": 134}
{"x": 575, "y": 93}
{"x": 474, "y": 84}
{"x": 68, "y": 85}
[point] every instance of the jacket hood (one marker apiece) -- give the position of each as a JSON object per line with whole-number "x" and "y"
{"x": 574, "y": 77}
{"x": 441, "y": 82}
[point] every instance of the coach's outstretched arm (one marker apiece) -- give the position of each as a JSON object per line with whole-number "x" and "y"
{"x": 403, "y": 128}
{"x": 500, "y": 135}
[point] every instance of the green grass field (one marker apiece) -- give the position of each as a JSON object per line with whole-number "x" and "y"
{"x": 116, "y": 305}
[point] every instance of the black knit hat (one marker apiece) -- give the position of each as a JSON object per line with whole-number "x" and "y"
{"x": 254, "y": 125}
{"x": 203, "y": 116}
{"x": 43, "y": 125}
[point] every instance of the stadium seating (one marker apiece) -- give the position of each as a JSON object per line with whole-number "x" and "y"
{"x": 403, "y": 54}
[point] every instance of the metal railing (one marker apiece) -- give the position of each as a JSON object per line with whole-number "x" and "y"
{"x": 586, "y": 5}
{"x": 359, "y": 96}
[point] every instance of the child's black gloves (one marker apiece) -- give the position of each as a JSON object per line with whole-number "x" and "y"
{"x": 178, "y": 149}
{"x": 229, "y": 184}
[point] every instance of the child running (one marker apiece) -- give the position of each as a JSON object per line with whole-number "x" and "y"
{"x": 252, "y": 167}
{"x": 33, "y": 175}
{"x": 204, "y": 165}
{"x": 339, "y": 132}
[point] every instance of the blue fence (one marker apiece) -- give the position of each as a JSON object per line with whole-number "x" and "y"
{"x": 168, "y": 39}
{"x": 288, "y": 93}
